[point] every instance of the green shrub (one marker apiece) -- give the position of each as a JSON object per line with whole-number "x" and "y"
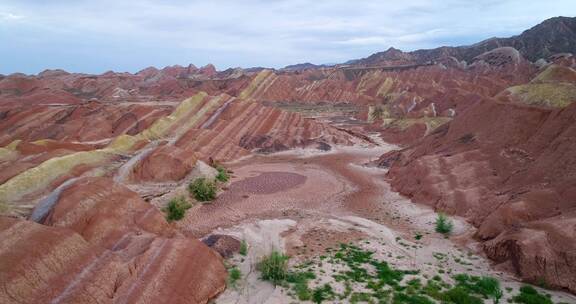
{"x": 274, "y": 268}
{"x": 222, "y": 174}
{"x": 490, "y": 287}
{"x": 234, "y": 274}
{"x": 243, "y": 248}
{"x": 418, "y": 236}
{"x": 203, "y": 189}
{"x": 529, "y": 295}
{"x": 459, "y": 295}
{"x": 176, "y": 209}
{"x": 322, "y": 294}
{"x": 443, "y": 224}
{"x": 402, "y": 298}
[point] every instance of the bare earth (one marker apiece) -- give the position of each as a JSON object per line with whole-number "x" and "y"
{"x": 302, "y": 202}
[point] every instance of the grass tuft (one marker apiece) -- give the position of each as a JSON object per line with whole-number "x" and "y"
{"x": 243, "y": 248}
{"x": 222, "y": 175}
{"x": 443, "y": 224}
{"x": 234, "y": 274}
{"x": 202, "y": 189}
{"x": 274, "y": 268}
{"x": 176, "y": 209}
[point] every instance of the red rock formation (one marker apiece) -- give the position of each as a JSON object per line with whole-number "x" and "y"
{"x": 106, "y": 246}
{"x": 509, "y": 169}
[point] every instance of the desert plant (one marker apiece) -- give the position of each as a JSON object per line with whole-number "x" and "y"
{"x": 203, "y": 189}
{"x": 234, "y": 274}
{"x": 490, "y": 287}
{"x": 461, "y": 296}
{"x": 418, "y": 236}
{"x": 176, "y": 209}
{"x": 243, "y": 248}
{"x": 274, "y": 267}
{"x": 529, "y": 295}
{"x": 443, "y": 224}
{"x": 222, "y": 175}
{"x": 323, "y": 293}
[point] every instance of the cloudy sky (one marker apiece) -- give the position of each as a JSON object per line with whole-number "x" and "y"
{"x": 129, "y": 35}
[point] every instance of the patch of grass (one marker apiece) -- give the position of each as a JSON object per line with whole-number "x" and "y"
{"x": 222, "y": 175}
{"x": 529, "y": 295}
{"x": 274, "y": 268}
{"x": 362, "y": 297}
{"x": 402, "y": 298}
{"x": 243, "y": 248}
{"x": 300, "y": 284}
{"x": 176, "y": 209}
{"x": 443, "y": 224}
{"x": 202, "y": 189}
{"x": 323, "y": 293}
{"x": 460, "y": 295}
{"x": 490, "y": 287}
{"x": 487, "y": 287}
{"x": 234, "y": 274}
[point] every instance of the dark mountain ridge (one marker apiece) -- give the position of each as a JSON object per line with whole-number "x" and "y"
{"x": 552, "y": 36}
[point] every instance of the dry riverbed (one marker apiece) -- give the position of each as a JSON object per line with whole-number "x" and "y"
{"x": 342, "y": 227}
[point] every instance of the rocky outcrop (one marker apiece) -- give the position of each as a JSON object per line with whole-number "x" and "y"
{"x": 508, "y": 168}
{"x": 102, "y": 244}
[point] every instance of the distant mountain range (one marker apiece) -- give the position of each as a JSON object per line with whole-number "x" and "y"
{"x": 553, "y": 36}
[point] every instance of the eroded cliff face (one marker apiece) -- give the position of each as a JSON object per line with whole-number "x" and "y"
{"x": 101, "y": 243}
{"x": 508, "y": 166}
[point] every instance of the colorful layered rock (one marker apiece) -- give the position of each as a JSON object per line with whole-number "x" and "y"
{"x": 508, "y": 167}
{"x": 101, "y": 243}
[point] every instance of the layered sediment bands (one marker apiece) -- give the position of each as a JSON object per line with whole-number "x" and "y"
{"x": 412, "y": 102}
{"x": 101, "y": 243}
{"x": 233, "y": 128}
{"x": 50, "y": 173}
{"x": 166, "y": 163}
{"x": 81, "y": 123}
{"x": 151, "y": 84}
{"x": 510, "y": 169}
{"x": 555, "y": 87}
{"x": 105, "y": 213}
{"x": 42, "y": 264}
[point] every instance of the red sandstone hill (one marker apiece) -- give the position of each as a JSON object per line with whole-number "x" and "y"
{"x": 491, "y": 139}
{"x": 509, "y": 166}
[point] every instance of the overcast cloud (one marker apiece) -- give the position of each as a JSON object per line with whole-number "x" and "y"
{"x": 129, "y": 35}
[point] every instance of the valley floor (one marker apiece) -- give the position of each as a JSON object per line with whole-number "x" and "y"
{"x": 307, "y": 203}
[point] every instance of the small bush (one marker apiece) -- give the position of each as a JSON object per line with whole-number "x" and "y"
{"x": 176, "y": 209}
{"x": 321, "y": 294}
{"x": 529, "y": 295}
{"x": 443, "y": 224}
{"x": 203, "y": 189}
{"x": 243, "y": 248}
{"x": 234, "y": 274}
{"x": 460, "y": 295}
{"x": 222, "y": 174}
{"x": 418, "y": 236}
{"x": 274, "y": 268}
{"x": 490, "y": 287}
{"x": 300, "y": 284}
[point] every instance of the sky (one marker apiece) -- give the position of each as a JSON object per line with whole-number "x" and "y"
{"x": 130, "y": 35}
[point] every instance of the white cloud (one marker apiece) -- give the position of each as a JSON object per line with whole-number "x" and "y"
{"x": 131, "y": 34}
{"x": 10, "y": 16}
